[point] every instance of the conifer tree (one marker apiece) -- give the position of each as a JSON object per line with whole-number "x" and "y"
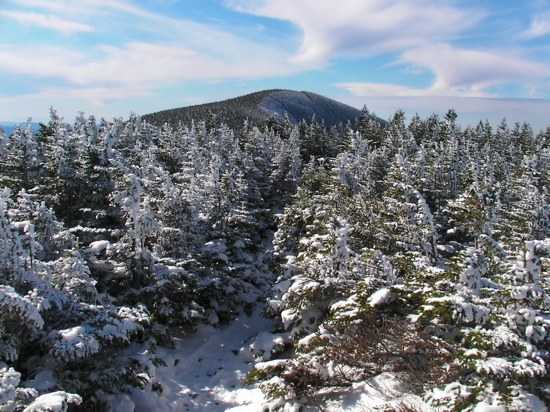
{"x": 405, "y": 220}
{"x": 22, "y": 167}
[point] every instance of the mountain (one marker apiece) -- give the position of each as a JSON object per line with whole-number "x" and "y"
{"x": 260, "y": 106}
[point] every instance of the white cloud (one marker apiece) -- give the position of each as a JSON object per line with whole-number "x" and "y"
{"x": 140, "y": 67}
{"x": 382, "y": 89}
{"x": 358, "y": 27}
{"x": 458, "y": 72}
{"x": 96, "y": 96}
{"x": 48, "y": 21}
{"x": 158, "y": 64}
{"x": 471, "y": 71}
{"x": 48, "y": 61}
{"x": 540, "y": 26}
{"x": 78, "y": 8}
{"x": 175, "y": 50}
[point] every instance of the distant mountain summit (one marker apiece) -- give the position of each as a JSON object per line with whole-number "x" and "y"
{"x": 260, "y": 106}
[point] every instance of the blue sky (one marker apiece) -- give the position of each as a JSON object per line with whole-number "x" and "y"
{"x": 486, "y": 60}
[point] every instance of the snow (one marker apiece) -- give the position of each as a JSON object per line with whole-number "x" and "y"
{"x": 9, "y": 298}
{"x": 489, "y": 404}
{"x": 239, "y": 244}
{"x": 472, "y": 353}
{"x": 348, "y": 308}
{"x": 382, "y": 392}
{"x": 121, "y": 402}
{"x": 266, "y": 343}
{"x": 74, "y": 342}
{"x": 217, "y": 245}
{"x": 380, "y": 296}
{"x": 451, "y": 391}
{"x": 53, "y": 402}
{"x": 287, "y": 317}
{"x": 522, "y": 400}
{"x": 73, "y": 335}
{"x": 44, "y": 379}
{"x": 205, "y": 370}
{"x": 282, "y": 286}
{"x": 97, "y": 247}
{"x": 9, "y": 379}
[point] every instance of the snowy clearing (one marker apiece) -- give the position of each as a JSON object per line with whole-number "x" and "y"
{"x": 204, "y": 372}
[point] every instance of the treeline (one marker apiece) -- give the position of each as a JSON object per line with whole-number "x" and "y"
{"x": 417, "y": 249}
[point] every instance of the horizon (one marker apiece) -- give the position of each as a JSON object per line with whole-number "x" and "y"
{"x": 112, "y": 58}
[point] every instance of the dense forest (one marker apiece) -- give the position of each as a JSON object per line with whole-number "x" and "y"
{"x": 416, "y": 248}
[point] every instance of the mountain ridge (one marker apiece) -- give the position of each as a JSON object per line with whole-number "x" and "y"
{"x": 260, "y": 106}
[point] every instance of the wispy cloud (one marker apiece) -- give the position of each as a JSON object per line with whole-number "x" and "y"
{"x": 81, "y": 8}
{"x": 176, "y": 50}
{"x": 540, "y": 26}
{"x": 369, "y": 89}
{"x": 471, "y": 72}
{"x": 48, "y": 21}
{"x": 97, "y": 96}
{"x": 458, "y": 72}
{"x": 45, "y": 61}
{"x": 421, "y": 33}
{"x": 139, "y": 66}
{"x": 357, "y": 27}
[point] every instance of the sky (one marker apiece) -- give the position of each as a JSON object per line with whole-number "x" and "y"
{"x": 109, "y": 58}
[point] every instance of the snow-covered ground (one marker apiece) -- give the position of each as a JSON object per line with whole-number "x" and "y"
{"x": 205, "y": 370}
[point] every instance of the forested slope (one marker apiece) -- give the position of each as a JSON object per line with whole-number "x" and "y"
{"x": 417, "y": 249}
{"x": 273, "y": 107}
